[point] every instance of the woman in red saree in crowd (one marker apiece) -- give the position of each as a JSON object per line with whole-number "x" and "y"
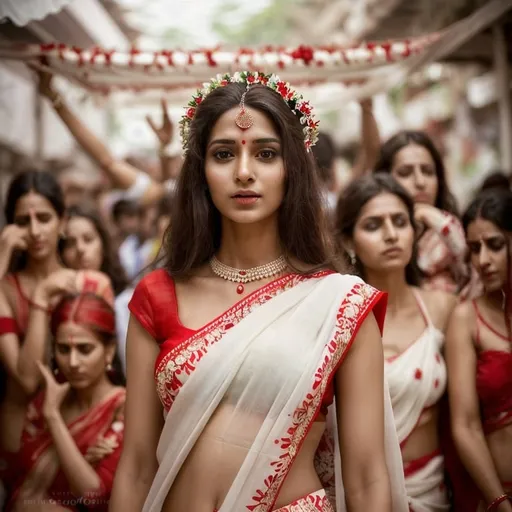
{"x": 375, "y": 225}
{"x": 254, "y": 341}
{"x": 88, "y": 246}
{"x": 479, "y": 357}
{"x": 67, "y": 450}
{"x": 34, "y": 210}
{"x": 413, "y": 160}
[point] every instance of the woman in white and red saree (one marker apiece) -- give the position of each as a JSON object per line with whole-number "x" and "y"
{"x": 66, "y": 453}
{"x": 255, "y": 342}
{"x": 376, "y": 227}
{"x": 479, "y": 357}
{"x": 413, "y": 160}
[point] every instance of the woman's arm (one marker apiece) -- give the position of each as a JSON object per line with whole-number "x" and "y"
{"x": 461, "y": 359}
{"x": 12, "y": 238}
{"x": 33, "y": 348}
{"x": 370, "y": 141}
{"x": 143, "y": 424}
{"x": 81, "y": 476}
{"x": 122, "y": 174}
{"x": 360, "y": 414}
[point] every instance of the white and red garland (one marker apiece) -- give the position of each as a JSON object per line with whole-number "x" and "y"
{"x": 102, "y": 70}
{"x": 377, "y": 65}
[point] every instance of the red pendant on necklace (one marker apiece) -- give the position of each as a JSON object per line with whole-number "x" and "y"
{"x": 240, "y": 289}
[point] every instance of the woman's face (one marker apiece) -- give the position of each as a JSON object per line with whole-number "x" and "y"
{"x": 415, "y": 169}
{"x": 80, "y": 356}
{"x": 245, "y": 169}
{"x": 84, "y": 248}
{"x": 383, "y": 234}
{"x": 37, "y": 216}
{"x": 488, "y": 250}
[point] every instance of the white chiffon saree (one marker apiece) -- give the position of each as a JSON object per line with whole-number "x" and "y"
{"x": 266, "y": 363}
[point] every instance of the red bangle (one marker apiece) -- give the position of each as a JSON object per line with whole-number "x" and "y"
{"x": 496, "y": 502}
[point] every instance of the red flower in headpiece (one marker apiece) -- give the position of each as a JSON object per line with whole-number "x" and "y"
{"x": 191, "y": 112}
{"x": 198, "y": 100}
{"x": 250, "y": 79}
{"x": 224, "y": 82}
{"x": 283, "y": 90}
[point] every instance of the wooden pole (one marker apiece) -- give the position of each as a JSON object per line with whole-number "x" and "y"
{"x": 503, "y": 90}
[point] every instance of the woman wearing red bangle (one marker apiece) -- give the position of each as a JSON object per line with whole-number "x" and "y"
{"x": 64, "y": 452}
{"x": 479, "y": 357}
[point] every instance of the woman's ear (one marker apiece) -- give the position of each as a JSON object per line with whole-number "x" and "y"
{"x": 63, "y": 226}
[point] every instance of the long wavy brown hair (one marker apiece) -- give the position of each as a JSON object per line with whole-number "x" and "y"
{"x": 195, "y": 232}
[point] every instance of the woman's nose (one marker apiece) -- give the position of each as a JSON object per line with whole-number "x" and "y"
{"x": 243, "y": 170}
{"x": 73, "y": 359}
{"x": 419, "y": 178}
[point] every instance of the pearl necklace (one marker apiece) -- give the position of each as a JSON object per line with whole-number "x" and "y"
{"x": 248, "y": 275}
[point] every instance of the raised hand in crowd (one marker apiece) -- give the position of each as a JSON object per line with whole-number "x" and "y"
{"x": 54, "y": 393}
{"x": 164, "y": 133}
{"x": 54, "y": 286}
{"x": 12, "y": 238}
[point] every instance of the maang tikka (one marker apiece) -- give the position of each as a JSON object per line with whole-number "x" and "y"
{"x": 243, "y": 119}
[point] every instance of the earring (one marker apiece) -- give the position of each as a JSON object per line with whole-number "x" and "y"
{"x": 108, "y": 367}
{"x": 56, "y": 371}
{"x": 352, "y": 256}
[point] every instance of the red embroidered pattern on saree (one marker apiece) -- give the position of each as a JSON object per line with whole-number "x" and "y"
{"x": 174, "y": 365}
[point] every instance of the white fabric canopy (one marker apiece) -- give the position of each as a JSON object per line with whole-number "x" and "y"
{"x": 371, "y": 67}
{"x": 22, "y": 12}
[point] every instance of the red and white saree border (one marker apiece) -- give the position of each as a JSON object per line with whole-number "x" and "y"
{"x": 183, "y": 359}
{"x": 351, "y": 314}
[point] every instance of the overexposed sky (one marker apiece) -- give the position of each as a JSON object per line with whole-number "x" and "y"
{"x": 191, "y": 16}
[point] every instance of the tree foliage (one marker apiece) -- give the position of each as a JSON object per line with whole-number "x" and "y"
{"x": 269, "y": 26}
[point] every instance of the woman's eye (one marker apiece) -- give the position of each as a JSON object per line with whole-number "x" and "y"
{"x": 371, "y": 226}
{"x": 428, "y": 171}
{"x": 495, "y": 245}
{"x": 267, "y": 154}
{"x": 44, "y": 217}
{"x": 403, "y": 172}
{"x": 62, "y": 349}
{"x": 88, "y": 239}
{"x": 400, "y": 221}
{"x": 86, "y": 349}
{"x": 223, "y": 155}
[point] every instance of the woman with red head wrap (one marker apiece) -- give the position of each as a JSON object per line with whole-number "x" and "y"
{"x": 65, "y": 452}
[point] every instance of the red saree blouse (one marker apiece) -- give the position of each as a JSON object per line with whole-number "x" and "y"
{"x": 155, "y": 306}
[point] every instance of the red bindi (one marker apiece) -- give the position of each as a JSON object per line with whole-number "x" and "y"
{"x": 243, "y": 141}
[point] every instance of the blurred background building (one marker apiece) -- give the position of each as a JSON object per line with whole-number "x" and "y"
{"x": 457, "y": 100}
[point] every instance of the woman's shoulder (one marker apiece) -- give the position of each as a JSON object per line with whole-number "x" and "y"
{"x": 156, "y": 280}
{"x": 439, "y": 304}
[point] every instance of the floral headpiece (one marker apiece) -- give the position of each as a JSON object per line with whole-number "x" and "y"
{"x": 301, "y": 108}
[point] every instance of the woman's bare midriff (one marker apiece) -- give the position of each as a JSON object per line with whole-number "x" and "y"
{"x": 211, "y": 467}
{"x": 500, "y": 446}
{"x": 424, "y": 439}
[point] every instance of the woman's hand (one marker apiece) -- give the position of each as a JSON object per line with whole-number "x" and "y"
{"x": 14, "y": 238}
{"x": 45, "y": 84}
{"x": 164, "y": 133}
{"x": 428, "y": 215}
{"x": 57, "y": 283}
{"x": 102, "y": 448}
{"x": 54, "y": 392}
